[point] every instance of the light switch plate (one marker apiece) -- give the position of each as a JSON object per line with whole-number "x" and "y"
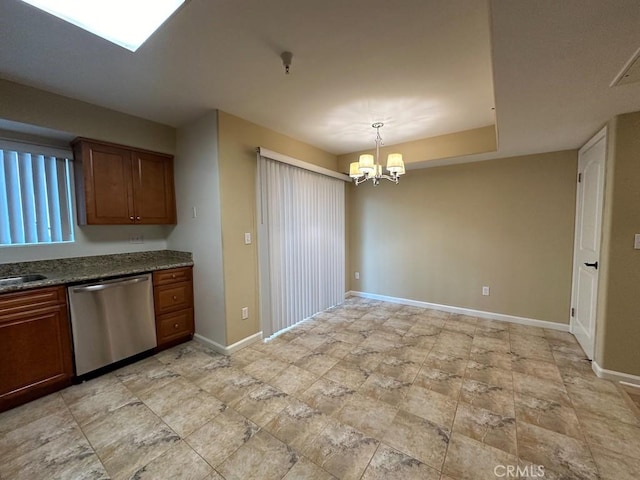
{"x": 247, "y": 238}
{"x": 636, "y": 242}
{"x": 485, "y": 291}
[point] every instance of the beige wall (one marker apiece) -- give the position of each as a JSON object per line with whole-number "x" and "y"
{"x": 618, "y": 327}
{"x": 80, "y": 119}
{"x": 238, "y": 140}
{"x": 73, "y": 118}
{"x": 467, "y": 142}
{"x": 444, "y": 232}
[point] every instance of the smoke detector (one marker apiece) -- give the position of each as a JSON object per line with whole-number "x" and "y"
{"x": 286, "y": 61}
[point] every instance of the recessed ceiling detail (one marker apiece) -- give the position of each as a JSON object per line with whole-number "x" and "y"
{"x": 128, "y": 23}
{"x": 227, "y": 55}
{"x": 426, "y": 68}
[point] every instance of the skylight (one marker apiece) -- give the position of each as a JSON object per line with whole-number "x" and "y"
{"x": 128, "y": 23}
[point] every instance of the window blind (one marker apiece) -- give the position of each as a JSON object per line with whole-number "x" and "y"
{"x": 302, "y": 245}
{"x": 35, "y": 198}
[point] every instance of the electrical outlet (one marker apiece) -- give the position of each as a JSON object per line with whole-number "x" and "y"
{"x": 636, "y": 241}
{"x": 245, "y": 313}
{"x": 247, "y": 238}
{"x": 357, "y": 275}
{"x": 485, "y": 291}
{"x": 136, "y": 238}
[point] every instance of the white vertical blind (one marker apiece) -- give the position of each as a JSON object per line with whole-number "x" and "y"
{"x": 35, "y": 198}
{"x": 303, "y": 246}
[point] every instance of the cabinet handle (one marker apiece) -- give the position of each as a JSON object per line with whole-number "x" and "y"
{"x": 175, "y": 297}
{"x": 138, "y": 218}
{"x": 131, "y": 218}
{"x": 176, "y": 326}
{"x": 173, "y": 275}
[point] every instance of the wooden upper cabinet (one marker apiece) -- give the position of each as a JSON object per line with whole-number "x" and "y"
{"x": 153, "y": 194}
{"x": 103, "y": 184}
{"x": 118, "y": 185}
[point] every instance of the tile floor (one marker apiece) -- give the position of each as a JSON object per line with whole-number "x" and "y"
{"x": 366, "y": 390}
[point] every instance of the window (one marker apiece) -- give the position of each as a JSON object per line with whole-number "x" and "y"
{"x": 35, "y": 197}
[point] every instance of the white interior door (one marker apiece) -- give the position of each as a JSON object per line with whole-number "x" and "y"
{"x": 589, "y": 201}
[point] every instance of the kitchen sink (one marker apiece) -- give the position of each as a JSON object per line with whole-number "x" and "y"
{"x": 19, "y": 279}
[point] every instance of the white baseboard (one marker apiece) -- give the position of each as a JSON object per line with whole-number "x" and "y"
{"x": 465, "y": 311}
{"x": 228, "y": 350}
{"x": 625, "y": 378}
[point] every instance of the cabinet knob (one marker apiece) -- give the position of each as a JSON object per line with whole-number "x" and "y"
{"x": 176, "y": 325}
{"x": 131, "y": 218}
{"x": 175, "y": 297}
{"x": 138, "y": 218}
{"x": 173, "y": 275}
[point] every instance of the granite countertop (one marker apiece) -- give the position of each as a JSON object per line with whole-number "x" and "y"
{"x": 84, "y": 269}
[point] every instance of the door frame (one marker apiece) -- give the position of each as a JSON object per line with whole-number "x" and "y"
{"x": 600, "y": 135}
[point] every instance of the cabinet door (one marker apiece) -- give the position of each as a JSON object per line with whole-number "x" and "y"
{"x": 154, "y": 198}
{"x": 174, "y": 326}
{"x": 108, "y": 187}
{"x": 172, "y": 297}
{"x": 173, "y": 275}
{"x": 35, "y": 354}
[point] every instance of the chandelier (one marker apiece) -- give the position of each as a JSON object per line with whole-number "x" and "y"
{"x": 369, "y": 168}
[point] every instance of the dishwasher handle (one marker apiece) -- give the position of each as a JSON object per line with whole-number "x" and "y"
{"x": 110, "y": 284}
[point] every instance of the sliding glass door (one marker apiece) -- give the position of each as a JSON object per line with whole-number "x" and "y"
{"x": 302, "y": 243}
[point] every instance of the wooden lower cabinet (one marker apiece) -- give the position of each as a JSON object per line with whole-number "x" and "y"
{"x": 172, "y": 297}
{"x": 174, "y": 326}
{"x": 35, "y": 345}
{"x": 173, "y": 300}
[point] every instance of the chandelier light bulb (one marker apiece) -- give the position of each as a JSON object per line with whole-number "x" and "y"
{"x": 368, "y": 167}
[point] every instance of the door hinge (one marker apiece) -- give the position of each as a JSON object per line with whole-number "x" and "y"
{"x": 579, "y": 178}
{"x": 573, "y": 312}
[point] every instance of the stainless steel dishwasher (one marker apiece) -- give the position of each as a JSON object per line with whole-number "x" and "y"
{"x": 111, "y": 320}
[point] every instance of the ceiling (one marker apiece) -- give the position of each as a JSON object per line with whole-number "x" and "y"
{"x": 424, "y": 67}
